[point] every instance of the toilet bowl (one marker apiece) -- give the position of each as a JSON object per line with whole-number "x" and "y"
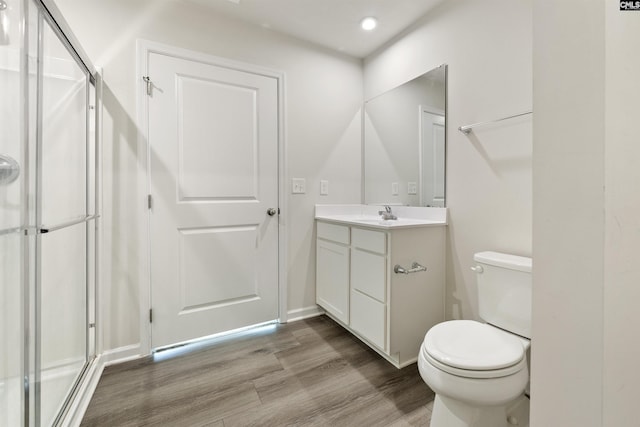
{"x": 477, "y": 370}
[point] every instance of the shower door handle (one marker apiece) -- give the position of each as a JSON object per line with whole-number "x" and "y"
{"x": 9, "y": 169}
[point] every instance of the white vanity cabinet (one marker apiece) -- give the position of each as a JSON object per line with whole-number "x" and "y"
{"x": 356, "y": 284}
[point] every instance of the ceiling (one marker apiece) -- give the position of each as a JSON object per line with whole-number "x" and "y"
{"x": 334, "y": 24}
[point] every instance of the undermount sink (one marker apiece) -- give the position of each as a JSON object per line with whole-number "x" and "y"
{"x": 374, "y": 219}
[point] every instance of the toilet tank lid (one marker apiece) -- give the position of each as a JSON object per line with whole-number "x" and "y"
{"x": 513, "y": 262}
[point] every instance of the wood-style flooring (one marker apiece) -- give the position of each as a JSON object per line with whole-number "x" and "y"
{"x": 306, "y": 373}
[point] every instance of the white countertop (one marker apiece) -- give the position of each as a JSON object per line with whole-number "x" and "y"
{"x": 367, "y": 216}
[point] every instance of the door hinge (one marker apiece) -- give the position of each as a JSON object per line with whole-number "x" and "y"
{"x": 150, "y": 315}
{"x": 149, "y": 201}
{"x": 147, "y": 80}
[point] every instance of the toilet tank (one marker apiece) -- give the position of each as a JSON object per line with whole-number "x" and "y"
{"x": 504, "y": 291}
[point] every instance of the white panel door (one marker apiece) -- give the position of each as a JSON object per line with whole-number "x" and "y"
{"x": 213, "y": 138}
{"x": 433, "y": 158}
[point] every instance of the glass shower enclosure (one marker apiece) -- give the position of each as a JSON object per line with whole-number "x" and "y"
{"x": 48, "y": 215}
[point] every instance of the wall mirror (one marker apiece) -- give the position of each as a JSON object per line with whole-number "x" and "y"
{"x": 405, "y": 143}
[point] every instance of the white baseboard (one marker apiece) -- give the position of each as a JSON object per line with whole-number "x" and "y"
{"x": 122, "y": 354}
{"x": 304, "y": 313}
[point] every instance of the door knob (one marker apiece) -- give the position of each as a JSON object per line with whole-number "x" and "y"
{"x": 272, "y": 211}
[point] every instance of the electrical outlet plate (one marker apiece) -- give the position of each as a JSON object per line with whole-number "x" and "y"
{"x": 324, "y": 187}
{"x": 298, "y": 186}
{"x": 412, "y": 188}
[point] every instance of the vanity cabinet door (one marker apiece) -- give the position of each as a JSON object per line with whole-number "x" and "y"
{"x": 332, "y": 279}
{"x": 334, "y": 232}
{"x": 368, "y": 318}
{"x": 368, "y": 274}
{"x": 369, "y": 240}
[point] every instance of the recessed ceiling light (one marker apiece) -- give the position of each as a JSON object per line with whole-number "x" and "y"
{"x": 369, "y": 23}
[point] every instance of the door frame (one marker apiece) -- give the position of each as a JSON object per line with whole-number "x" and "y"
{"x": 143, "y": 49}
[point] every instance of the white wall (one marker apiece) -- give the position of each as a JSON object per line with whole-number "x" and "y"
{"x": 487, "y": 46}
{"x": 622, "y": 217}
{"x": 323, "y": 100}
{"x": 569, "y": 216}
{"x": 586, "y": 210}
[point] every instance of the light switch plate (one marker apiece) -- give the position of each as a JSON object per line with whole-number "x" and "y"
{"x": 324, "y": 187}
{"x": 412, "y": 188}
{"x": 394, "y": 189}
{"x": 298, "y": 186}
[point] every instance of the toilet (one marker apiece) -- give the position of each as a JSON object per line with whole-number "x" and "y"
{"x": 479, "y": 371}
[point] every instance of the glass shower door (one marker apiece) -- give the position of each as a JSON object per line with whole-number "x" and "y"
{"x": 47, "y": 216}
{"x": 12, "y": 205}
{"x": 65, "y": 215}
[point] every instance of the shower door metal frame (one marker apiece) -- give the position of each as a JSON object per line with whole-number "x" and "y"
{"x": 32, "y": 229}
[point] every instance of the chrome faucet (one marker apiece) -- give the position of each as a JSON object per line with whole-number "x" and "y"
{"x": 386, "y": 214}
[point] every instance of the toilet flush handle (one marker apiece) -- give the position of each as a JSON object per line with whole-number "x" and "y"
{"x": 478, "y": 269}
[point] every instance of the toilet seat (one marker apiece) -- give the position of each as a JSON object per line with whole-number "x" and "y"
{"x": 472, "y": 349}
